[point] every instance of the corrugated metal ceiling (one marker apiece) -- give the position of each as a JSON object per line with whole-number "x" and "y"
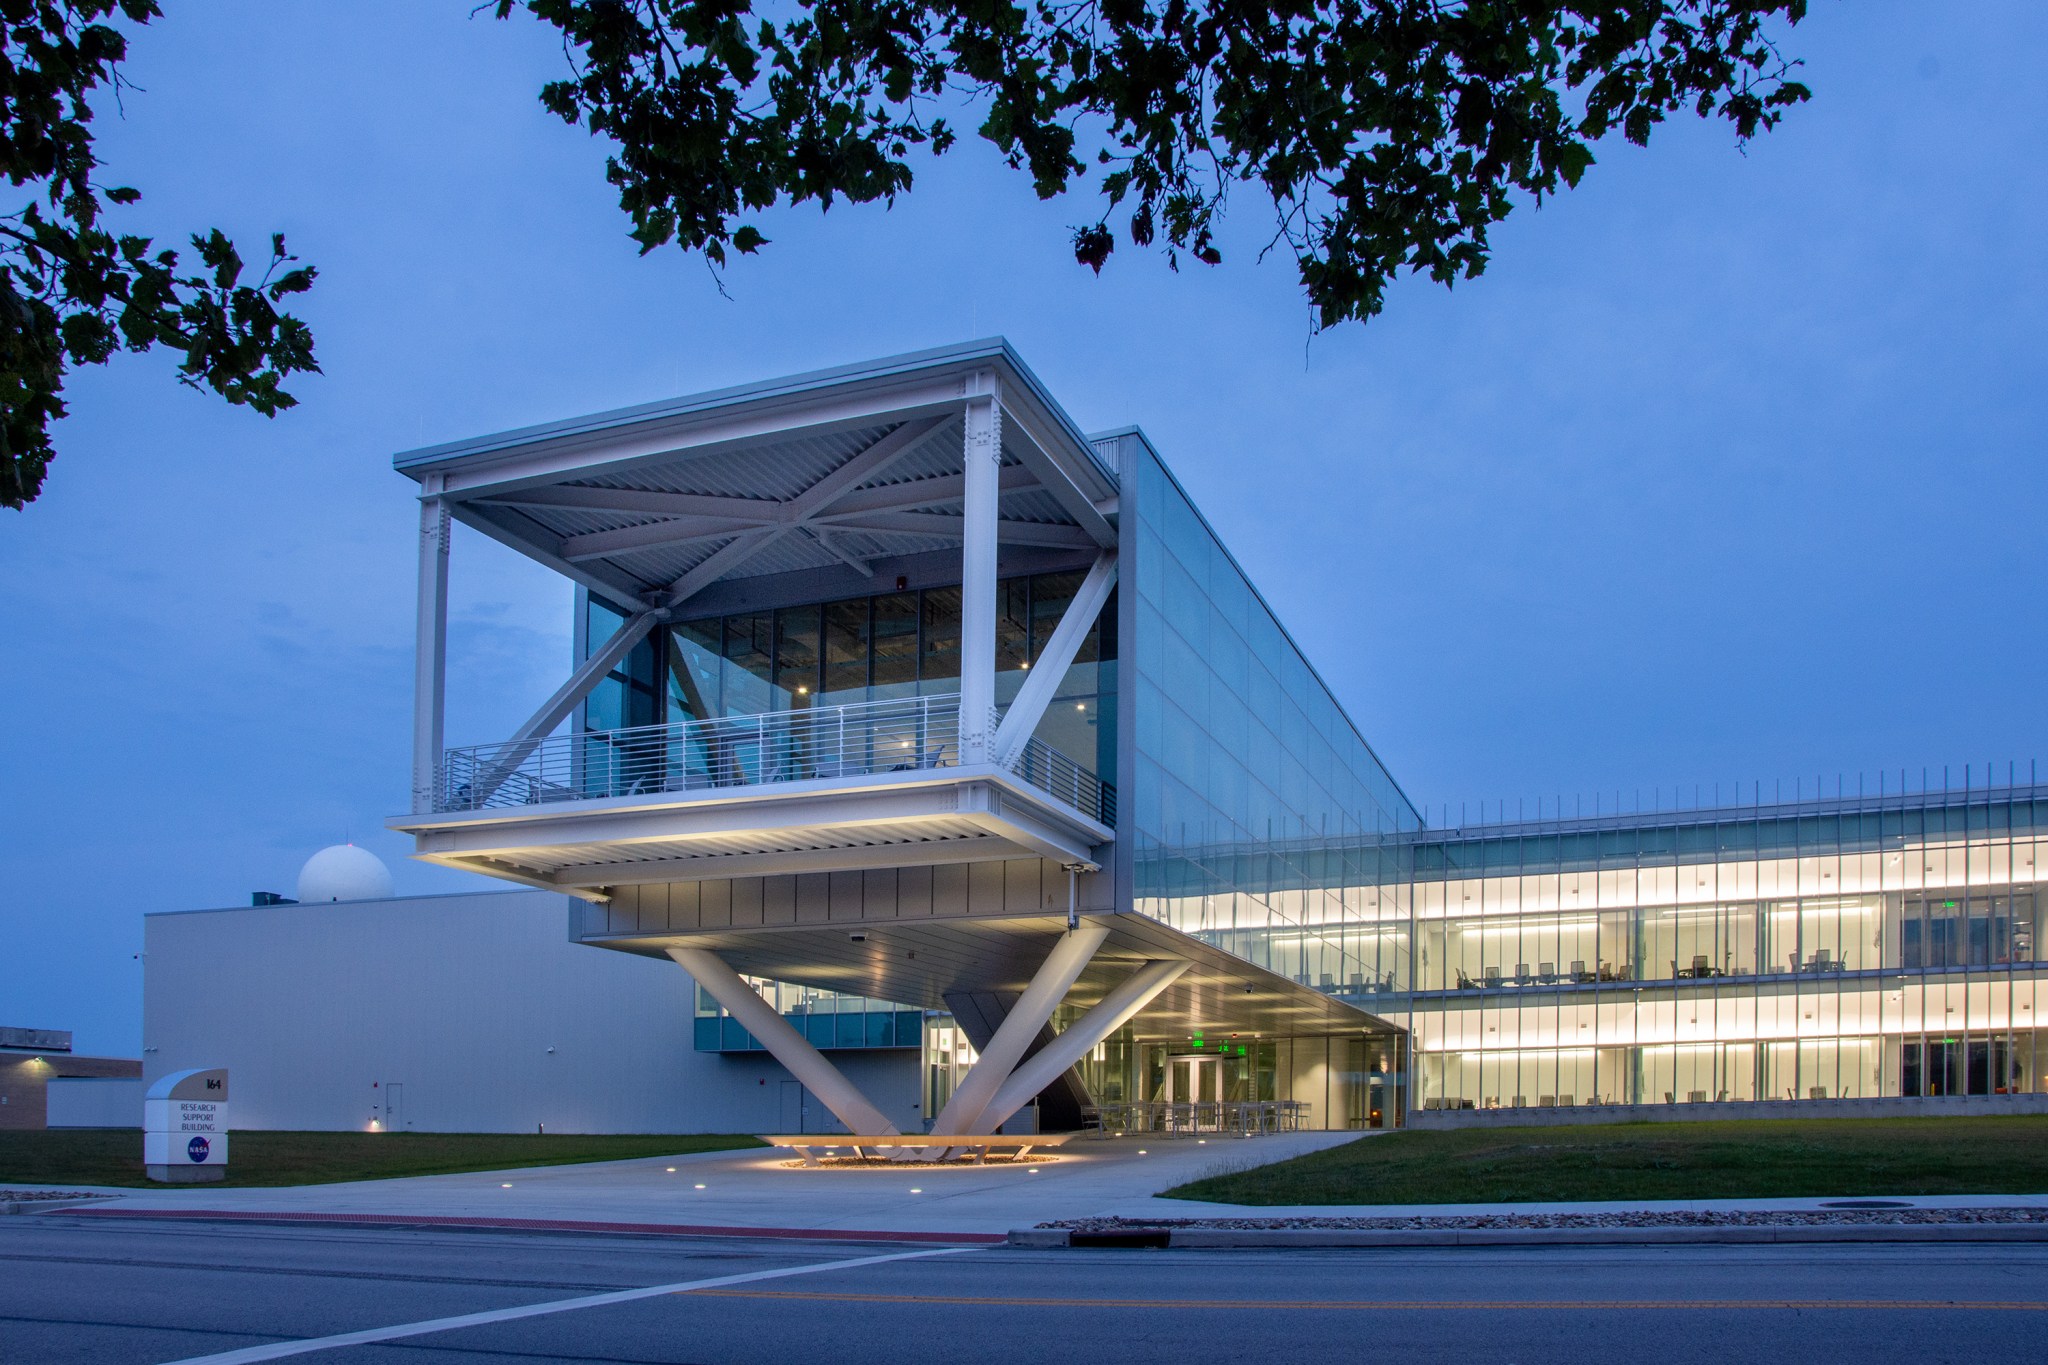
{"x": 776, "y": 472}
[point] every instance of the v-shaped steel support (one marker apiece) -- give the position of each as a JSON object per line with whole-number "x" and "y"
{"x": 783, "y": 1042}
{"x": 1062, "y": 967}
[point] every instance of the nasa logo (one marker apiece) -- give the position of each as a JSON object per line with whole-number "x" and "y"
{"x": 197, "y": 1148}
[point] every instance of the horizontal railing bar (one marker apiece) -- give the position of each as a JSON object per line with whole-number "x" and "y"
{"x": 891, "y": 735}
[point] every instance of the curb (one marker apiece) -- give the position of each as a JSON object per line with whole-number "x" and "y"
{"x": 487, "y": 1224}
{"x": 1047, "y": 1238}
{"x": 51, "y": 1205}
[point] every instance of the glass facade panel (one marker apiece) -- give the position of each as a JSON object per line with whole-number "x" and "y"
{"x": 855, "y": 650}
{"x": 826, "y": 1019}
{"x": 1846, "y": 949}
{"x": 1260, "y": 817}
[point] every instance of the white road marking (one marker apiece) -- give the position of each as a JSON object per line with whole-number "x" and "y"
{"x": 280, "y": 1349}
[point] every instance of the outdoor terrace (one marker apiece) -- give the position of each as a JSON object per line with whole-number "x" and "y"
{"x": 818, "y": 744}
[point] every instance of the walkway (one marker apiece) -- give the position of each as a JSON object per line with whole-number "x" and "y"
{"x": 758, "y": 1189}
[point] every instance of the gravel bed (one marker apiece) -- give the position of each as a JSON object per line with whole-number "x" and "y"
{"x": 35, "y": 1196}
{"x": 1635, "y": 1218}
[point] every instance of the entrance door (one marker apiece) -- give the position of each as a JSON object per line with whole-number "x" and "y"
{"x": 792, "y": 1107}
{"x": 1194, "y": 1080}
{"x": 394, "y": 1106}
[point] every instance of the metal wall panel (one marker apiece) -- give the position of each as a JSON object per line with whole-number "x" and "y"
{"x": 480, "y": 1007}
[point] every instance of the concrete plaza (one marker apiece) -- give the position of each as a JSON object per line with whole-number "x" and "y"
{"x": 765, "y": 1189}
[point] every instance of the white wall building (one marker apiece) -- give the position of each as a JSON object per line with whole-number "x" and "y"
{"x": 463, "y": 1013}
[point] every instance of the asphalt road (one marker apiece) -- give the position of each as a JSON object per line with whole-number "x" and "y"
{"x": 111, "y": 1291}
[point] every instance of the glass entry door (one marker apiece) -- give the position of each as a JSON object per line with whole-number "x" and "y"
{"x": 1194, "y": 1080}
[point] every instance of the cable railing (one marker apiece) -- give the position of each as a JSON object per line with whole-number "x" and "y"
{"x": 907, "y": 734}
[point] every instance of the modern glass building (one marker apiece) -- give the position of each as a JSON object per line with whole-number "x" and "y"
{"x": 905, "y": 714}
{"x": 1858, "y": 946}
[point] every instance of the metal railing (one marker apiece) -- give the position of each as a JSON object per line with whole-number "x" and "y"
{"x": 903, "y": 735}
{"x": 1052, "y": 772}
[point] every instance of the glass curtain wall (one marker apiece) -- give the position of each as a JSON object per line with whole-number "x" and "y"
{"x": 1260, "y": 816}
{"x": 865, "y": 649}
{"x": 1815, "y": 953}
{"x": 1343, "y": 1081}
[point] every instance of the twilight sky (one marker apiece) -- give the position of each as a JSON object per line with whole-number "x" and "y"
{"x": 1730, "y": 469}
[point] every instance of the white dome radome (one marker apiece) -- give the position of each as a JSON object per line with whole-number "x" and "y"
{"x": 344, "y": 873}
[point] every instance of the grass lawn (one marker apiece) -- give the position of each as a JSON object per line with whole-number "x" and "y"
{"x": 113, "y": 1156}
{"x": 1748, "y": 1158}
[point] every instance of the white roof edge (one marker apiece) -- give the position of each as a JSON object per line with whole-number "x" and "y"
{"x": 997, "y": 350}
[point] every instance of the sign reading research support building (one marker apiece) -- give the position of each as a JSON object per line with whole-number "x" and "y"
{"x": 185, "y": 1126}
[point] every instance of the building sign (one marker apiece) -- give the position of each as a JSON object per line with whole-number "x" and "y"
{"x": 185, "y": 1126}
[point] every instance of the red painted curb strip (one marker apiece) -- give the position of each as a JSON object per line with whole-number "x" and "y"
{"x": 542, "y": 1225}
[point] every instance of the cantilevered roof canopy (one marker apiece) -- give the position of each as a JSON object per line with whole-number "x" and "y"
{"x": 919, "y": 962}
{"x": 843, "y": 475}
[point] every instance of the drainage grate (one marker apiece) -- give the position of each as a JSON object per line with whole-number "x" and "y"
{"x": 1123, "y": 1237}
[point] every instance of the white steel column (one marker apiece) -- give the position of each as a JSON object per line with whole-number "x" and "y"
{"x": 1062, "y": 968}
{"x": 430, "y": 651}
{"x": 1111, "y": 1013}
{"x": 983, "y": 456}
{"x": 783, "y": 1042}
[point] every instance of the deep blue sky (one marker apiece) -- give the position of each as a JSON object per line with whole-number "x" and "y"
{"x": 1730, "y": 468}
